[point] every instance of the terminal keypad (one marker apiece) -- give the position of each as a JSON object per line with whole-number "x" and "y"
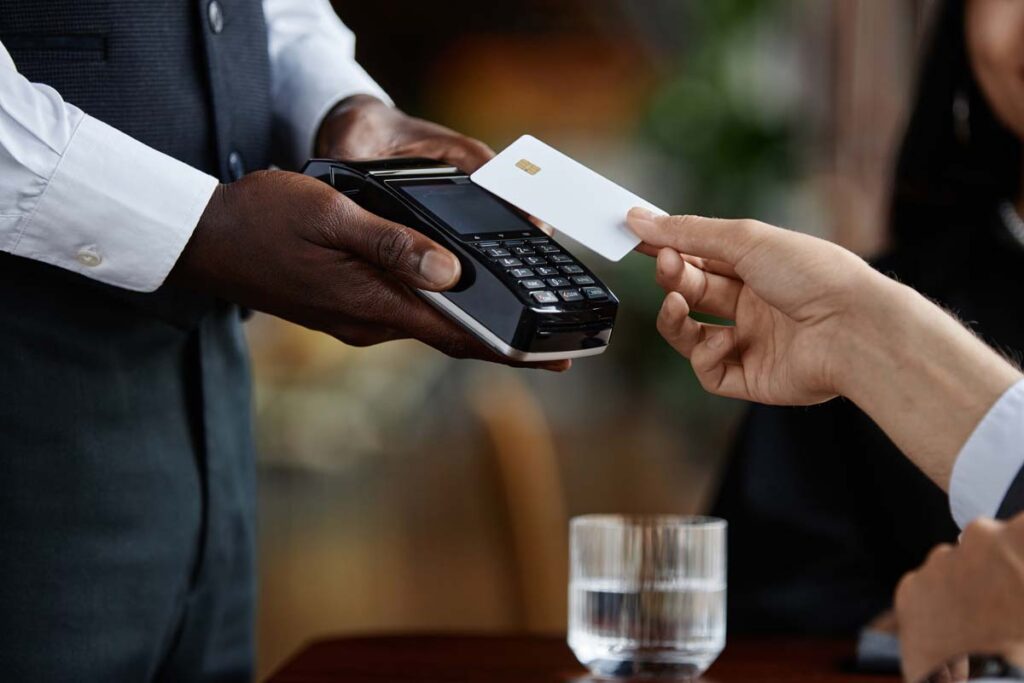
{"x": 542, "y": 271}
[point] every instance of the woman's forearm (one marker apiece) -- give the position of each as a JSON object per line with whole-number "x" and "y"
{"x": 918, "y": 373}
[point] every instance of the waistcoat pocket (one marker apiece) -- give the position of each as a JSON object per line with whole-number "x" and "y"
{"x": 72, "y": 47}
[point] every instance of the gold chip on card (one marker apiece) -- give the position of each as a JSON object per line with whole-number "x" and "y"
{"x": 528, "y": 166}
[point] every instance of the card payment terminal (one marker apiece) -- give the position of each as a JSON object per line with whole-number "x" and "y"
{"x": 521, "y": 293}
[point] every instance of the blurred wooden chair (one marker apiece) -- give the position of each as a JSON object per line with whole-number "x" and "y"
{"x": 527, "y": 465}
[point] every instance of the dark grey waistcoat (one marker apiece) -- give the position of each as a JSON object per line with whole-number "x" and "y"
{"x": 126, "y": 468}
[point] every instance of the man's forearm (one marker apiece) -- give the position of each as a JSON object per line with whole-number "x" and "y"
{"x": 918, "y": 373}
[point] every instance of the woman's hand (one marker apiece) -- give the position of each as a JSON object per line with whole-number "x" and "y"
{"x": 790, "y": 295}
{"x": 812, "y": 320}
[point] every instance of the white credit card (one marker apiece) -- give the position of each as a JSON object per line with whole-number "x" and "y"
{"x": 562, "y": 192}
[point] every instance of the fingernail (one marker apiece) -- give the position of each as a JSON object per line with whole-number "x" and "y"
{"x": 439, "y": 268}
{"x": 641, "y": 214}
{"x": 716, "y": 341}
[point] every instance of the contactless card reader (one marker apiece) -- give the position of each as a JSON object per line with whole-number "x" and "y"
{"x": 521, "y": 293}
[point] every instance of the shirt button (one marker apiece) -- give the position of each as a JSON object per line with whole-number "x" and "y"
{"x": 215, "y": 14}
{"x": 236, "y": 167}
{"x": 89, "y": 256}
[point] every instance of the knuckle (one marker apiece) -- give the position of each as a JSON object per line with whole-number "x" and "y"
{"x": 678, "y": 222}
{"x": 748, "y": 228}
{"x": 331, "y": 217}
{"x": 662, "y": 323}
{"x": 979, "y": 531}
{"x": 668, "y": 330}
{"x": 938, "y": 553}
{"x": 697, "y": 282}
{"x": 669, "y": 324}
{"x": 341, "y": 208}
{"x": 904, "y": 591}
{"x": 479, "y": 148}
{"x": 709, "y": 381}
{"x": 750, "y": 235}
{"x": 394, "y": 246}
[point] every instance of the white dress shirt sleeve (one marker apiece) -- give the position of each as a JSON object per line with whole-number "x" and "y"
{"x": 5, "y": 58}
{"x": 990, "y": 460}
{"x": 83, "y": 196}
{"x": 313, "y": 67}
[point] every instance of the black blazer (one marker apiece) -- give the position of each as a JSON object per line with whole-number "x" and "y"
{"x": 1013, "y": 503}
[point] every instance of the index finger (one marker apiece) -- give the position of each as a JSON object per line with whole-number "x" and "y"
{"x": 712, "y": 238}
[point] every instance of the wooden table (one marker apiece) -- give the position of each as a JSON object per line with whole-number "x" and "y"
{"x": 539, "y": 659}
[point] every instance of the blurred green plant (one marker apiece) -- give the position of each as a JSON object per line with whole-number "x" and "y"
{"x": 727, "y": 121}
{"x": 727, "y": 117}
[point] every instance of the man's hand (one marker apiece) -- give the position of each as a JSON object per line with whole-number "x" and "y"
{"x": 363, "y": 127}
{"x": 965, "y": 600}
{"x": 292, "y": 246}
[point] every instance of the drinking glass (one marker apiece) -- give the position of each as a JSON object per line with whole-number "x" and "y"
{"x": 647, "y": 594}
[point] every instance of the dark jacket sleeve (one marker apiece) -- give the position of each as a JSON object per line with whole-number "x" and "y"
{"x": 1013, "y": 502}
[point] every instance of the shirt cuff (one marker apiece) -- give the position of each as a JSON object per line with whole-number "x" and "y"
{"x": 990, "y": 460}
{"x": 115, "y": 210}
{"x": 316, "y": 73}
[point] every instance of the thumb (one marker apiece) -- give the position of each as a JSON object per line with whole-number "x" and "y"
{"x": 410, "y": 256}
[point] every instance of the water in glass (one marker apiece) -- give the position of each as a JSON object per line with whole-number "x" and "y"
{"x": 647, "y": 595}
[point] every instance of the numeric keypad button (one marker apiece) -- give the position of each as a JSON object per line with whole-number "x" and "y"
{"x": 544, "y": 297}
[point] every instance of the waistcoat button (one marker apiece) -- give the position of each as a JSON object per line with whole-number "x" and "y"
{"x": 236, "y": 167}
{"x": 215, "y": 14}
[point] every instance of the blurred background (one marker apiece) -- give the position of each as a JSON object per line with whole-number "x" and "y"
{"x": 401, "y": 490}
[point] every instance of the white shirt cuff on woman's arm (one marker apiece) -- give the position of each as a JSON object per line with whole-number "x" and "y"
{"x": 990, "y": 460}
{"x": 115, "y": 210}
